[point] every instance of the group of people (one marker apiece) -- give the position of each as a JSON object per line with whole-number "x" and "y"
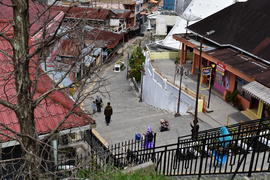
{"x": 97, "y": 105}
{"x": 108, "y": 111}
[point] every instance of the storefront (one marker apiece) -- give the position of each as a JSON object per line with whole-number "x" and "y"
{"x": 260, "y": 100}
{"x": 233, "y": 70}
{"x": 222, "y": 78}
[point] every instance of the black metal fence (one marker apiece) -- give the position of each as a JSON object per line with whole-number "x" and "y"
{"x": 243, "y": 148}
{"x": 133, "y": 151}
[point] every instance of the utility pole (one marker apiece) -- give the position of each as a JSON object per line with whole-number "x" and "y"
{"x": 142, "y": 73}
{"x": 180, "y": 88}
{"x": 127, "y": 64}
{"x": 211, "y": 84}
{"x": 195, "y": 126}
{"x": 123, "y": 39}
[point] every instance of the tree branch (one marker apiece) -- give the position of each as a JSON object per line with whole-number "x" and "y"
{"x": 5, "y": 4}
{"x": 8, "y": 104}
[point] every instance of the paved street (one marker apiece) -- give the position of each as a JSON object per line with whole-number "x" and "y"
{"x": 221, "y": 109}
{"x": 130, "y": 116}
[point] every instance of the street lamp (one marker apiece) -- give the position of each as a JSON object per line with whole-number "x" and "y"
{"x": 179, "y": 95}
{"x": 195, "y": 126}
{"x": 211, "y": 82}
{"x": 123, "y": 40}
{"x": 142, "y": 73}
{"x": 127, "y": 64}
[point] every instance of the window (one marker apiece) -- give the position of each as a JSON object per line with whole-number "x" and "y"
{"x": 219, "y": 79}
{"x": 169, "y": 29}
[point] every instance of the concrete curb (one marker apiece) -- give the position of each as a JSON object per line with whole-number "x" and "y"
{"x": 137, "y": 92}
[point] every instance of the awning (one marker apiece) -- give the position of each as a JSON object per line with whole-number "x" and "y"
{"x": 258, "y": 91}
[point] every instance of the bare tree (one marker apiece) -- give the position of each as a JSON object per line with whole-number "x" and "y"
{"x": 27, "y": 40}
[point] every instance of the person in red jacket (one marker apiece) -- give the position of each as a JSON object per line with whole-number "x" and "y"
{"x": 108, "y": 111}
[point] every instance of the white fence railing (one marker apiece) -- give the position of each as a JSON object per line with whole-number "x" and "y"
{"x": 159, "y": 92}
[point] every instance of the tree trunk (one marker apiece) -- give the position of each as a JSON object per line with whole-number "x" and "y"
{"x": 25, "y": 109}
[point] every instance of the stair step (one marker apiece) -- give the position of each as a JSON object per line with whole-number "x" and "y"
{"x": 250, "y": 114}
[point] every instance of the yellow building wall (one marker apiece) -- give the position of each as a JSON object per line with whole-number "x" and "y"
{"x": 164, "y": 55}
{"x": 253, "y": 114}
{"x": 200, "y": 105}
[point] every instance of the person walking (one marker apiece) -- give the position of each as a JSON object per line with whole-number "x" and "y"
{"x": 94, "y": 107}
{"x": 108, "y": 111}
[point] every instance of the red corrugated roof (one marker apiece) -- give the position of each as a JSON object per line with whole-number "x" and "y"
{"x": 35, "y": 11}
{"x": 110, "y": 39}
{"x": 6, "y": 27}
{"x": 48, "y": 114}
{"x": 123, "y": 15}
{"x": 69, "y": 48}
{"x": 84, "y": 13}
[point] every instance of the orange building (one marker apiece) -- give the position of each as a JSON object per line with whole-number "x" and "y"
{"x": 238, "y": 52}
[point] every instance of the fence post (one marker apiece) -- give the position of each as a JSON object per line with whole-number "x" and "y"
{"x": 253, "y": 154}
{"x": 254, "y": 140}
{"x": 165, "y": 157}
{"x": 91, "y": 138}
{"x": 202, "y": 154}
{"x": 153, "y": 153}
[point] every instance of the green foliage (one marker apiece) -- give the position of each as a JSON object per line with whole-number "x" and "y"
{"x": 135, "y": 62}
{"x": 115, "y": 174}
{"x": 231, "y": 97}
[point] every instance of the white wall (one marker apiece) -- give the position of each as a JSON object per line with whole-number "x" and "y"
{"x": 162, "y": 21}
{"x": 114, "y": 22}
{"x": 197, "y": 9}
{"x": 161, "y": 94}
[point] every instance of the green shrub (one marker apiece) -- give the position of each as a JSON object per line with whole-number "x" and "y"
{"x": 231, "y": 97}
{"x": 135, "y": 63}
{"x": 115, "y": 174}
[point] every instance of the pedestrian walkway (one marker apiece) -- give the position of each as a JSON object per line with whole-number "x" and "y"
{"x": 220, "y": 109}
{"x": 131, "y": 116}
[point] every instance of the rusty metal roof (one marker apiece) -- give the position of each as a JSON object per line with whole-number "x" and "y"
{"x": 245, "y": 64}
{"x": 39, "y": 15}
{"x": 124, "y": 15}
{"x": 48, "y": 114}
{"x": 85, "y": 12}
{"x": 104, "y": 38}
{"x": 243, "y": 25}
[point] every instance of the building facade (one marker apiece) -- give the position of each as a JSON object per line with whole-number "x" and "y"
{"x": 237, "y": 54}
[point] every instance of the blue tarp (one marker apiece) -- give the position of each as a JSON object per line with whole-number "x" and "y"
{"x": 56, "y": 75}
{"x": 221, "y": 158}
{"x": 226, "y": 136}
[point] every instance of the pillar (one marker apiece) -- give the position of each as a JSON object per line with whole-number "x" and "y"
{"x": 194, "y": 63}
{"x": 182, "y": 53}
{"x": 185, "y": 55}
{"x": 55, "y": 151}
